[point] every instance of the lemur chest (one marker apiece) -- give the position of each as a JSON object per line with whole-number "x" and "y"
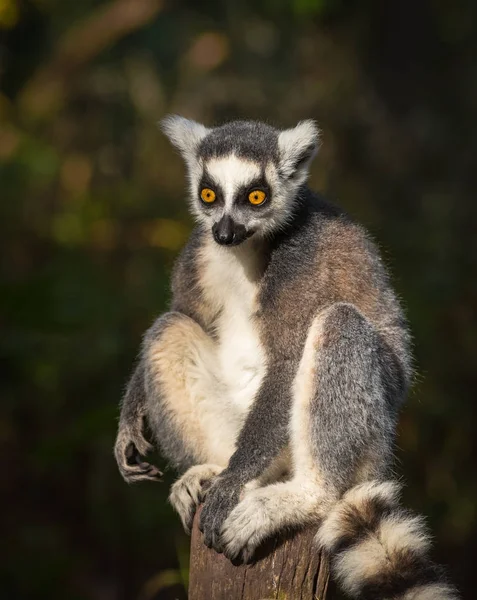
{"x": 240, "y": 356}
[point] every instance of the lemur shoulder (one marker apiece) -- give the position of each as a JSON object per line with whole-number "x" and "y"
{"x": 275, "y": 380}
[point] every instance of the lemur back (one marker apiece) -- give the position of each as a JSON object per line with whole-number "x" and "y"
{"x": 275, "y": 380}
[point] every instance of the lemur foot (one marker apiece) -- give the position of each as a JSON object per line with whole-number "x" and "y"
{"x": 265, "y": 511}
{"x": 129, "y": 448}
{"x": 246, "y": 527}
{"x": 190, "y": 490}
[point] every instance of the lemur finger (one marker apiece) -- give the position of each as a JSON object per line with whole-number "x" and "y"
{"x": 131, "y": 465}
{"x": 211, "y": 526}
{"x": 186, "y": 493}
{"x": 182, "y": 505}
{"x": 210, "y": 538}
{"x": 221, "y": 499}
{"x": 184, "y": 498}
{"x": 206, "y": 525}
{"x": 135, "y": 461}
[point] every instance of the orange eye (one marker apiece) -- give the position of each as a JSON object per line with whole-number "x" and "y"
{"x": 207, "y": 195}
{"x": 257, "y": 197}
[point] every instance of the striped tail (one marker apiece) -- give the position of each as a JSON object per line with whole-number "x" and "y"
{"x": 379, "y": 550}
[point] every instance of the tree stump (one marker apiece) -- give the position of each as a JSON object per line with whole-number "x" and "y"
{"x": 288, "y": 567}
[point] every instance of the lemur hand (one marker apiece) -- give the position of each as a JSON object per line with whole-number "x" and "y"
{"x": 222, "y": 497}
{"x": 130, "y": 445}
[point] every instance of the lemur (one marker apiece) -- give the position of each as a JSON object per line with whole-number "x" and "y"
{"x": 275, "y": 380}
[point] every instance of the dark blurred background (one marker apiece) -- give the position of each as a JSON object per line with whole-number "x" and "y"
{"x": 92, "y": 215}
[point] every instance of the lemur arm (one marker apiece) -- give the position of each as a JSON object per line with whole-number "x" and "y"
{"x": 263, "y": 435}
{"x": 130, "y": 441}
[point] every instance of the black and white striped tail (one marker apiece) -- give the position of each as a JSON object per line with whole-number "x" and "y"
{"x": 379, "y": 550}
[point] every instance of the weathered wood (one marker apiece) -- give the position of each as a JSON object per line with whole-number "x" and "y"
{"x": 287, "y": 568}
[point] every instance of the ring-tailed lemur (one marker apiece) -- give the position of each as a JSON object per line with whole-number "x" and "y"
{"x": 275, "y": 380}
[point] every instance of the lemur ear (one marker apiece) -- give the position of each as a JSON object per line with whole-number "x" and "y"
{"x": 184, "y": 134}
{"x": 297, "y": 147}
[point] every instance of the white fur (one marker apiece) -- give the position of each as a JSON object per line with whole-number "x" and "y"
{"x": 186, "y": 493}
{"x": 229, "y": 282}
{"x": 389, "y": 491}
{"x": 398, "y": 534}
{"x": 231, "y": 173}
{"x": 304, "y": 389}
{"x": 432, "y": 591}
{"x": 360, "y": 563}
{"x": 184, "y": 134}
{"x": 293, "y": 144}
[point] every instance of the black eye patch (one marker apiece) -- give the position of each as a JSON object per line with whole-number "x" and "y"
{"x": 207, "y": 182}
{"x": 260, "y": 184}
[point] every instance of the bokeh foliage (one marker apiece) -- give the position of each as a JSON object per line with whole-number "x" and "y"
{"x": 92, "y": 214}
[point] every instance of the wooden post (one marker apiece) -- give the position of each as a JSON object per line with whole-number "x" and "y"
{"x": 287, "y": 568}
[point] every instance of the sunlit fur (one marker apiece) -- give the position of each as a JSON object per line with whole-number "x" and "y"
{"x": 185, "y": 134}
{"x": 298, "y": 144}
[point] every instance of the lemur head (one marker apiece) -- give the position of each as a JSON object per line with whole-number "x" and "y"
{"x": 244, "y": 176}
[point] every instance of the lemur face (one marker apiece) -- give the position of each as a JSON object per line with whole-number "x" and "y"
{"x": 244, "y": 175}
{"x": 234, "y": 197}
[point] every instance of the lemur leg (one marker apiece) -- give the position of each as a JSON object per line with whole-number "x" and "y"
{"x": 178, "y": 396}
{"x": 188, "y": 411}
{"x": 187, "y": 404}
{"x": 342, "y": 429}
{"x": 189, "y": 415}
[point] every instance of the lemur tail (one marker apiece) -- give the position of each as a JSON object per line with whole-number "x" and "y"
{"x": 379, "y": 550}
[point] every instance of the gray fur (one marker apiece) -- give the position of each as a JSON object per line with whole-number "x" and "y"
{"x": 349, "y": 416}
{"x": 247, "y": 139}
{"x": 309, "y": 264}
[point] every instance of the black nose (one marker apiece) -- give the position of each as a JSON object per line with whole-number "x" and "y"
{"x": 224, "y": 231}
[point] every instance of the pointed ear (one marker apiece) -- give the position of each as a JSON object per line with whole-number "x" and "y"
{"x": 184, "y": 134}
{"x": 297, "y": 147}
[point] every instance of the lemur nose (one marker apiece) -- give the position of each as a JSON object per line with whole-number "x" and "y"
{"x": 224, "y": 238}
{"x": 223, "y": 231}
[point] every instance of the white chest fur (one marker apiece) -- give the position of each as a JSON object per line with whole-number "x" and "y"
{"x": 230, "y": 283}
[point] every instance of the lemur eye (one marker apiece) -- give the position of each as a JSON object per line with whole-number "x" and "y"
{"x": 257, "y": 197}
{"x": 207, "y": 195}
